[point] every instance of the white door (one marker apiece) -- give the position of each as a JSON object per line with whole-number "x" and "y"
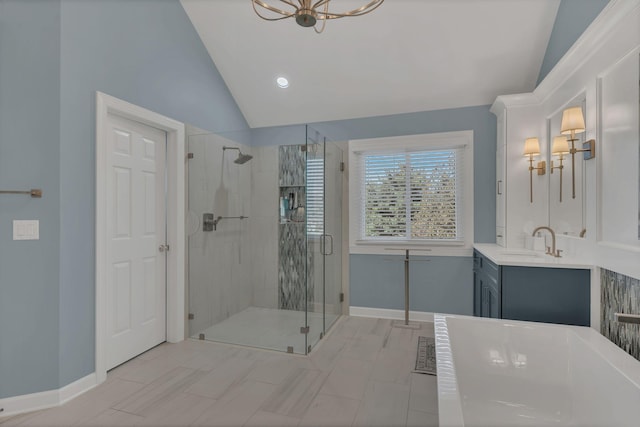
{"x": 136, "y": 230}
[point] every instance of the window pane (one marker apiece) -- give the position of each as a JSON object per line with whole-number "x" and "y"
{"x": 315, "y": 196}
{"x": 385, "y": 196}
{"x": 433, "y": 195}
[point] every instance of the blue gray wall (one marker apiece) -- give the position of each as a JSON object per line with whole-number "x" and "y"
{"x": 444, "y": 284}
{"x": 29, "y": 143}
{"x": 145, "y": 52}
{"x": 53, "y": 57}
{"x": 574, "y": 16}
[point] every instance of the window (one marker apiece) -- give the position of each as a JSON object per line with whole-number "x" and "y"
{"x": 412, "y": 190}
{"x": 315, "y": 196}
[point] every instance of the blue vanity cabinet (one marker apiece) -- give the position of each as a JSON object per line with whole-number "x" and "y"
{"x": 486, "y": 287}
{"x": 538, "y": 294}
{"x": 552, "y": 295}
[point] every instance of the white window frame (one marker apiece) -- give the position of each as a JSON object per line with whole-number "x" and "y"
{"x": 430, "y": 141}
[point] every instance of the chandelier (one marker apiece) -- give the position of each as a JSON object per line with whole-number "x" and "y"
{"x": 307, "y": 12}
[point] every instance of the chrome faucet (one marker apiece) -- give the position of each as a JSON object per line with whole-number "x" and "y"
{"x": 550, "y": 250}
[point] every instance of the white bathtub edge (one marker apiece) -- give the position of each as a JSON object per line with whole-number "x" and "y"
{"x": 449, "y": 405}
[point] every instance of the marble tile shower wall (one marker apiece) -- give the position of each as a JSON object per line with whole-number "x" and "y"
{"x": 620, "y": 294}
{"x": 295, "y": 263}
{"x": 292, "y": 166}
{"x": 263, "y": 229}
{"x": 219, "y": 261}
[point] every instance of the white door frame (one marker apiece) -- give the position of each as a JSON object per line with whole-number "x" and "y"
{"x": 176, "y": 205}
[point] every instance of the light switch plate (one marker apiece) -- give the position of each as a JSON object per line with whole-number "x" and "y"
{"x": 26, "y": 229}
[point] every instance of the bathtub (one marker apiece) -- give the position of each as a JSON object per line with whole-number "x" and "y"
{"x": 494, "y": 372}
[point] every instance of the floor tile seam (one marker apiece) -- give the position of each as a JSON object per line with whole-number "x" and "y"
{"x": 229, "y": 389}
{"x": 181, "y": 384}
{"x": 361, "y": 406}
{"x": 254, "y": 380}
{"x": 223, "y": 405}
{"x": 324, "y": 376}
{"x": 387, "y": 353}
{"x": 272, "y": 413}
{"x": 113, "y": 403}
{"x": 407, "y": 383}
{"x": 149, "y": 382}
{"x": 355, "y": 359}
{"x": 243, "y": 377}
{"x": 369, "y": 373}
{"x": 424, "y": 412}
{"x": 122, "y": 411}
{"x": 325, "y": 393}
{"x": 127, "y": 380}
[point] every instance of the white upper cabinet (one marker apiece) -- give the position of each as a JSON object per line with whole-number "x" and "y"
{"x": 501, "y": 199}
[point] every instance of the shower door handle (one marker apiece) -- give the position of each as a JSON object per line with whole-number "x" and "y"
{"x": 323, "y": 244}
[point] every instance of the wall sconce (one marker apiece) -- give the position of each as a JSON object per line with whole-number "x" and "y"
{"x": 532, "y": 148}
{"x": 560, "y": 147}
{"x": 573, "y": 123}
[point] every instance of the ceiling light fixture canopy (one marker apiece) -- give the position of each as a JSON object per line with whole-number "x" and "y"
{"x": 307, "y": 12}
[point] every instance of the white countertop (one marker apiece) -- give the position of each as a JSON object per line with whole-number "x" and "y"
{"x": 527, "y": 258}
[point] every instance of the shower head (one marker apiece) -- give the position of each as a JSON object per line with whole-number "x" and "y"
{"x": 242, "y": 158}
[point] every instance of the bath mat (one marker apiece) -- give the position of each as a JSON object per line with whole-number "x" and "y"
{"x": 426, "y": 358}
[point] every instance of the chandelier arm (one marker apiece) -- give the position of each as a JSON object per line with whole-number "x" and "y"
{"x": 290, "y": 3}
{"x": 369, "y": 7}
{"x": 271, "y": 9}
{"x": 324, "y": 21}
{"x": 320, "y": 3}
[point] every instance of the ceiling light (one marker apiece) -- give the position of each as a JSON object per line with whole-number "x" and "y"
{"x": 282, "y": 82}
{"x": 307, "y": 12}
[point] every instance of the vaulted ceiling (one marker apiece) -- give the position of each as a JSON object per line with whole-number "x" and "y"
{"x": 406, "y": 56}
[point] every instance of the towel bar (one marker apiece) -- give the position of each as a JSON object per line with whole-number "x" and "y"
{"x": 627, "y": 318}
{"x": 34, "y": 192}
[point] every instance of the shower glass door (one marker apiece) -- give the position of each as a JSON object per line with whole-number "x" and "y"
{"x": 315, "y": 232}
{"x": 324, "y": 235}
{"x": 332, "y": 254}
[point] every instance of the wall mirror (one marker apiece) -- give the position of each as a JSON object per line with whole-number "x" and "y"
{"x": 566, "y": 204}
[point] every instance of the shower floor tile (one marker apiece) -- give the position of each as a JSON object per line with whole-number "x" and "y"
{"x": 267, "y": 328}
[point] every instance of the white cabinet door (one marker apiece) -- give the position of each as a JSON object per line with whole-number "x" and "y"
{"x": 136, "y": 230}
{"x": 501, "y": 198}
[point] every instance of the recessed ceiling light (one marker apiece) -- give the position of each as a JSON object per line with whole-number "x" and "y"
{"x": 282, "y": 82}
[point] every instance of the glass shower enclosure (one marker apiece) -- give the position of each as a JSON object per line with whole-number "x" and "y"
{"x": 265, "y": 239}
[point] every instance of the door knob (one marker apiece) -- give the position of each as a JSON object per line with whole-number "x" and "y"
{"x": 163, "y": 248}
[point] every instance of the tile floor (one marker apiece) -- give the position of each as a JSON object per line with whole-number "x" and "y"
{"x": 267, "y": 328}
{"x": 359, "y": 375}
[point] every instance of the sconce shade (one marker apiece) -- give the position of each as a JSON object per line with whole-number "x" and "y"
{"x": 560, "y": 145}
{"x": 572, "y": 121}
{"x": 531, "y": 147}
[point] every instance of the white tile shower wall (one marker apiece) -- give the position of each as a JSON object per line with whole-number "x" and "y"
{"x": 220, "y": 260}
{"x": 263, "y": 227}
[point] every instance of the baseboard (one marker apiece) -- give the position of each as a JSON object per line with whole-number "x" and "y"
{"x": 386, "y": 313}
{"x": 78, "y": 387}
{"x": 46, "y": 399}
